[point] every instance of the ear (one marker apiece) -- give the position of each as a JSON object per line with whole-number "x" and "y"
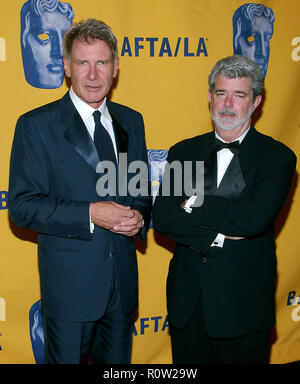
{"x": 67, "y": 67}
{"x": 256, "y": 102}
{"x": 116, "y": 67}
{"x": 209, "y": 96}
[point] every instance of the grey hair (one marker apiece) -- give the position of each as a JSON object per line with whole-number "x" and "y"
{"x": 237, "y": 66}
{"x": 89, "y": 30}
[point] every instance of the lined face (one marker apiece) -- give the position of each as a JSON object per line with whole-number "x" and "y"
{"x": 92, "y": 69}
{"x": 231, "y": 103}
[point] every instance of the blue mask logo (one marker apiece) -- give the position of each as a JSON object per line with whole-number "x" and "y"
{"x": 252, "y": 32}
{"x": 37, "y": 332}
{"x": 157, "y": 159}
{"x": 43, "y": 24}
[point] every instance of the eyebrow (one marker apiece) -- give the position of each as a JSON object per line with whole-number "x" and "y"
{"x": 241, "y": 93}
{"x": 238, "y": 92}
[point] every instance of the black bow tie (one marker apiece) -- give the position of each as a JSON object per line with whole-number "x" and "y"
{"x": 234, "y": 146}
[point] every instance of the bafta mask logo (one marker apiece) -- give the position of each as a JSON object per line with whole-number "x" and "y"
{"x": 157, "y": 159}
{"x": 252, "y": 32}
{"x": 43, "y": 24}
{"x": 37, "y": 331}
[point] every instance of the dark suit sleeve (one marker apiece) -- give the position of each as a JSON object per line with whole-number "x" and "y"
{"x": 247, "y": 216}
{"x": 255, "y": 213}
{"x": 171, "y": 220}
{"x": 30, "y": 204}
{"x": 143, "y": 203}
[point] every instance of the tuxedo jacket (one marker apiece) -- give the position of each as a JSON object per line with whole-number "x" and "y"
{"x": 236, "y": 281}
{"x": 52, "y": 182}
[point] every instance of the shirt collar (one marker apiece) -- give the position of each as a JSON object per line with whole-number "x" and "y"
{"x": 240, "y": 139}
{"x": 85, "y": 110}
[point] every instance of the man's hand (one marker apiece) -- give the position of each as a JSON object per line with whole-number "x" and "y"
{"x": 117, "y": 218}
{"x": 131, "y": 226}
{"x": 107, "y": 214}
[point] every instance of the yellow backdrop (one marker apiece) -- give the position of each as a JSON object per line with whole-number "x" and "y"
{"x": 166, "y": 49}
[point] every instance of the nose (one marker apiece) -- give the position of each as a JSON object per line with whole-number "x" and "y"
{"x": 228, "y": 101}
{"x": 92, "y": 72}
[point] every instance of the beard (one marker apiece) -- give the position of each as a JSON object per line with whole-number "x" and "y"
{"x": 228, "y": 124}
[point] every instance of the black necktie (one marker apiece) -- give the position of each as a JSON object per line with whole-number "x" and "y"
{"x": 234, "y": 146}
{"x": 102, "y": 140}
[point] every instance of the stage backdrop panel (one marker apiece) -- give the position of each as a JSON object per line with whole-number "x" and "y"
{"x": 166, "y": 50}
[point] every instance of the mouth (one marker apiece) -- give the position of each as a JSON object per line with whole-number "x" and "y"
{"x": 93, "y": 88}
{"x": 227, "y": 114}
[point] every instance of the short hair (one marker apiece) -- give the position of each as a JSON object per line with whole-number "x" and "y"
{"x": 87, "y": 31}
{"x": 238, "y": 66}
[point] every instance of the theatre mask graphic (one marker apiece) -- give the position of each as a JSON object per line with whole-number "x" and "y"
{"x": 157, "y": 159}
{"x": 252, "y": 31}
{"x": 43, "y": 24}
{"x": 37, "y": 332}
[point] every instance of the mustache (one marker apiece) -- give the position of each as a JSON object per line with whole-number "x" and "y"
{"x": 227, "y": 112}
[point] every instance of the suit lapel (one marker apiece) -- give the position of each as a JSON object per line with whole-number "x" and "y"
{"x": 122, "y": 142}
{"x": 121, "y": 134}
{"x": 77, "y": 134}
{"x": 204, "y": 148}
{"x": 250, "y": 149}
{"x": 232, "y": 183}
{"x": 237, "y": 173}
{"x": 210, "y": 174}
{"x": 206, "y": 153}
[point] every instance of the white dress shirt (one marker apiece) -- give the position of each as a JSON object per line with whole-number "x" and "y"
{"x": 224, "y": 157}
{"x": 86, "y": 113}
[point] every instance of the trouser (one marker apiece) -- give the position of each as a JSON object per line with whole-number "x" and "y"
{"x": 109, "y": 338}
{"x": 193, "y": 345}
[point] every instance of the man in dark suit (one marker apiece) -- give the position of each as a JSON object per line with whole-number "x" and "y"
{"x": 87, "y": 256}
{"x": 220, "y": 286}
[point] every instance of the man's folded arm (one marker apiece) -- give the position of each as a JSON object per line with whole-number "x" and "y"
{"x": 251, "y": 215}
{"x": 246, "y": 216}
{"x": 171, "y": 220}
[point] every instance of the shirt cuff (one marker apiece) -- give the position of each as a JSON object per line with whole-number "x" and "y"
{"x": 188, "y": 205}
{"x": 219, "y": 241}
{"x": 92, "y": 226}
